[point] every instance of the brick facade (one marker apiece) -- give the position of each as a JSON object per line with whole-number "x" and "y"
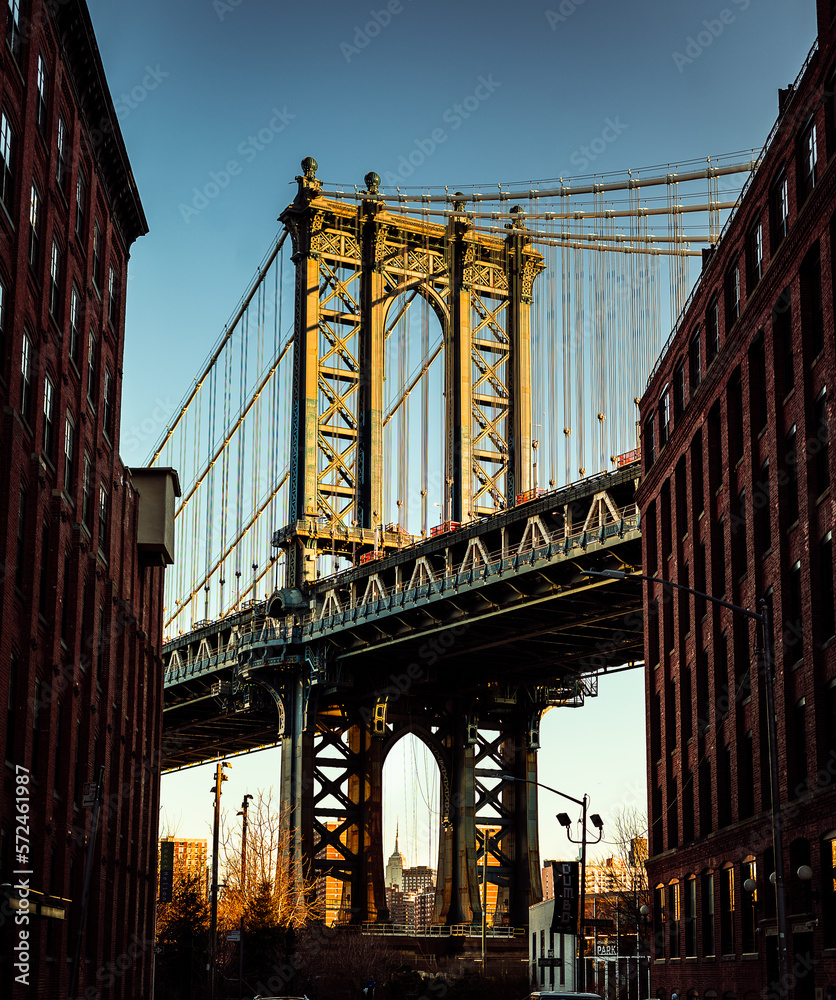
{"x": 80, "y": 601}
{"x": 737, "y": 501}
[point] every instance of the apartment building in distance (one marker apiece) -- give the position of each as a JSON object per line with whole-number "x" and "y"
{"x": 737, "y": 501}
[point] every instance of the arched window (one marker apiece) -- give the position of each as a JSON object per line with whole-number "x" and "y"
{"x": 749, "y": 904}
{"x": 708, "y": 935}
{"x": 674, "y": 918}
{"x": 690, "y": 917}
{"x": 727, "y": 908}
{"x": 659, "y": 921}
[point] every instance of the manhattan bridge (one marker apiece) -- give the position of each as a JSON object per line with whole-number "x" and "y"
{"x": 412, "y": 437}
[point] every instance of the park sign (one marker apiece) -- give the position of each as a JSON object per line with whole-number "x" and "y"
{"x": 166, "y": 870}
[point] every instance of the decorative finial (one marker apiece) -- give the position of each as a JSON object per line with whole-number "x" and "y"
{"x": 372, "y": 181}
{"x": 309, "y": 167}
{"x": 459, "y": 201}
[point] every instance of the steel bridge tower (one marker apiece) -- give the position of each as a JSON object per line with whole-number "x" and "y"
{"x": 337, "y": 728}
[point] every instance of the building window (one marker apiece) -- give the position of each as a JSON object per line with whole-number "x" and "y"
{"x": 102, "y": 517}
{"x": 708, "y": 937}
{"x": 674, "y": 919}
{"x": 749, "y": 905}
{"x": 779, "y": 210}
{"x": 659, "y": 921}
{"x": 812, "y": 316}
{"x": 754, "y": 255}
{"x": 62, "y": 160}
{"x": 712, "y": 330}
{"x": 807, "y": 162}
{"x": 791, "y": 462}
{"x": 757, "y": 383}
{"x": 26, "y": 377}
{"x": 112, "y": 297}
{"x": 828, "y": 866}
{"x": 87, "y": 492}
{"x": 732, "y": 296}
{"x": 34, "y": 228}
{"x": 727, "y": 908}
{"x": 680, "y": 390}
{"x": 793, "y": 616}
{"x": 43, "y": 88}
{"x": 43, "y": 583}
{"x": 799, "y": 726}
{"x": 690, "y": 916}
{"x": 820, "y": 445}
{"x": 827, "y": 604}
{"x": 49, "y": 417}
{"x": 20, "y": 550}
{"x": 782, "y": 339}
{"x": 80, "y": 206}
{"x": 665, "y": 417}
{"x": 741, "y": 545}
{"x": 763, "y": 516}
{"x": 36, "y": 728}
{"x": 4, "y": 308}
{"x": 69, "y": 453}
{"x": 14, "y": 34}
{"x": 55, "y": 282}
{"x": 695, "y": 360}
{"x": 107, "y": 404}
{"x": 97, "y": 255}
{"x": 75, "y": 324}
{"x": 649, "y": 441}
{"x": 736, "y": 428}
{"x": 7, "y": 151}
{"x": 746, "y": 775}
{"x": 91, "y": 367}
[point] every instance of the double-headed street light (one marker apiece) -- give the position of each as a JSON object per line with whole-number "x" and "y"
{"x": 566, "y": 822}
{"x": 764, "y": 618}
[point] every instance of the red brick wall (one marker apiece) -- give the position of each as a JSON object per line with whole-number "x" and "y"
{"x": 710, "y": 806}
{"x": 80, "y": 625}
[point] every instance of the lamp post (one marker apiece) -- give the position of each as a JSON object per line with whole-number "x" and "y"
{"x": 220, "y": 778}
{"x": 764, "y": 618}
{"x": 565, "y": 821}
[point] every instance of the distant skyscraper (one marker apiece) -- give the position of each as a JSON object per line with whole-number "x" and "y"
{"x": 394, "y": 867}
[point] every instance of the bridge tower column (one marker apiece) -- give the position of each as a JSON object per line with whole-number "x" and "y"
{"x": 457, "y": 892}
{"x": 458, "y": 377}
{"x": 304, "y": 221}
{"x": 370, "y": 480}
{"x": 520, "y": 800}
{"x": 296, "y": 781}
{"x": 365, "y": 837}
{"x": 522, "y": 269}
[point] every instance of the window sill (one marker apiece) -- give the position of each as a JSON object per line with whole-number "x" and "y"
{"x": 750, "y": 956}
{"x": 817, "y": 359}
{"x": 823, "y": 496}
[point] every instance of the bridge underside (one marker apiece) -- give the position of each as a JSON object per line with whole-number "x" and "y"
{"x": 463, "y": 641}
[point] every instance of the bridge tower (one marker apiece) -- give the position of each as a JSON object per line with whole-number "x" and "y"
{"x": 352, "y": 264}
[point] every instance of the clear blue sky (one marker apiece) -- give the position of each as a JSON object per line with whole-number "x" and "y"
{"x": 194, "y": 80}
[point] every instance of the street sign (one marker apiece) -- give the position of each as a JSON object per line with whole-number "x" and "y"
{"x": 88, "y": 794}
{"x": 549, "y": 963}
{"x": 233, "y": 935}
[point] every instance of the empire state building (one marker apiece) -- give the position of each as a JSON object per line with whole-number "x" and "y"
{"x": 394, "y": 867}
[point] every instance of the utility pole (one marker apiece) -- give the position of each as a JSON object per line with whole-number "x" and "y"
{"x": 243, "y": 814}
{"x": 220, "y": 778}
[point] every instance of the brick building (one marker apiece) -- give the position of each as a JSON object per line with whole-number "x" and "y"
{"x": 190, "y": 859}
{"x": 737, "y": 501}
{"x": 84, "y": 540}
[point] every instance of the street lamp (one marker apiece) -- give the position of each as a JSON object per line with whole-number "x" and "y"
{"x": 566, "y": 822}
{"x": 764, "y": 618}
{"x": 220, "y": 778}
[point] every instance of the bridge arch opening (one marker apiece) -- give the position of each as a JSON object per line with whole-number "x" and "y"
{"x": 412, "y": 814}
{"x": 413, "y": 403}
